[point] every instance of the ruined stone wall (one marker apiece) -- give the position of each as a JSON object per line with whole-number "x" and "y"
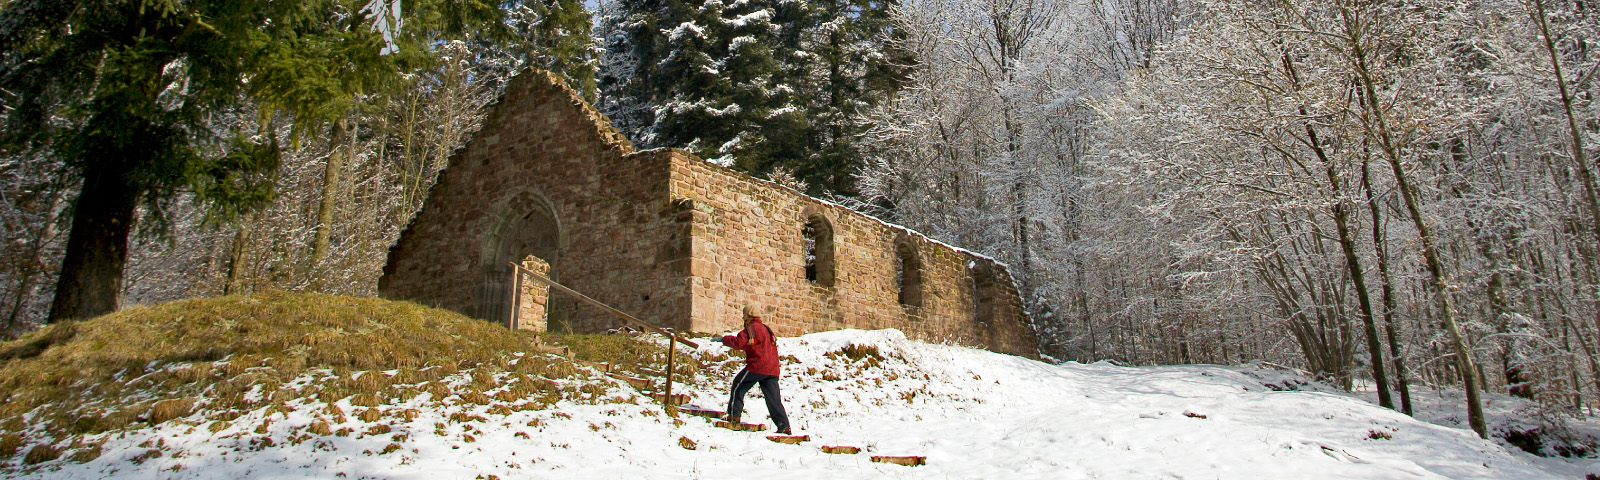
{"x": 748, "y": 246}
{"x": 671, "y": 239}
{"x": 547, "y": 176}
{"x": 533, "y": 297}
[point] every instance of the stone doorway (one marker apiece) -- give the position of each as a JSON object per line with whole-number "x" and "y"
{"x": 525, "y": 225}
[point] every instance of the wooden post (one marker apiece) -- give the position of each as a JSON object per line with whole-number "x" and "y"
{"x": 516, "y": 297}
{"x": 666, "y": 401}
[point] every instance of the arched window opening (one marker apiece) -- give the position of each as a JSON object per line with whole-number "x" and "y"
{"x": 985, "y": 290}
{"x": 818, "y": 235}
{"x": 908, "y": 274}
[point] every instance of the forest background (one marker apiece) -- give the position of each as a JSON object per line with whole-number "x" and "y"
{"x": 1379, "y": 192}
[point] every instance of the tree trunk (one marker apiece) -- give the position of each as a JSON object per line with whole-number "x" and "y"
{"x": 1430, "y": 250}
{"x": 1579, "y": 155}
{"x": 97, "y": 247}
{"x": 235, "y": 282}
{"x": 1341, "y": 219}
{"x": 1347, "y": 246}
{"x": 330, "y": 190}
{"x": 26, "y": 286}
{"x": 1380, "y": 250}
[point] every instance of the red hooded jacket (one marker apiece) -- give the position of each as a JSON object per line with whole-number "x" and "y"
{"x": 760, "y": 348}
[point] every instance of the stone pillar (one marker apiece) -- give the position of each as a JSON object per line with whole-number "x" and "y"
{"x": 534, "y": 300}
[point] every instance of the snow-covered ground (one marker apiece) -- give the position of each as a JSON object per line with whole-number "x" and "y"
{"x": 972, "y": 413}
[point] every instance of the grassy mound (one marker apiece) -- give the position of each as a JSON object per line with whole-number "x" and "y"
{"x": 211, "y": 360}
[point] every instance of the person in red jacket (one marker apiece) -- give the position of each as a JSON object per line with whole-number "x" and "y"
{"x": 760, "y": 367}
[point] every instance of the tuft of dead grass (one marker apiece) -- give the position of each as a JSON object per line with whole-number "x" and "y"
{"x": 366, "y": 400}
{"x": 42, "y": 453}
{"x": 370, "y": 415}
{"x": 858, "y": 352}
{"x": 320, "y": 428}
{"x": 86, "y": 453}
{"x": 169, "y": 409}
{"x": 10, "y": 443}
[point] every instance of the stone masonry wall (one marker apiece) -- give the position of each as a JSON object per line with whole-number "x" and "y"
{"x": 533, "y": 297}
{"x": 748, "y": 246}
{"x": 549, "y": 172}
{"x": 669, "y": 238}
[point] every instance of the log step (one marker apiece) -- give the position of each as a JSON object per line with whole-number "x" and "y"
{"x": 789, "y": 439}
{"x": 638, "y": 383}
{"x": 909, "y": 461}
{"x": 701, "y": 411}
{"x": 603, "y": 367}
{"x": 840, "y": 449}
{"x": 677, "y": 398}
{"x": 743, "y": 427}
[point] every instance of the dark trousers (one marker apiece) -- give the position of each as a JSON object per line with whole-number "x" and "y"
{"x": 769, "y": 389}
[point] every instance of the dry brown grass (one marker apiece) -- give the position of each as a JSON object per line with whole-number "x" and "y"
{"x": 320, "y": 428}
{"x": 223, "y": 357}
{"x": 857, "y": 352}
{"x": 86, "y": 453}
{"x": 366, "y": 400}
{"x": 10, "y": 443}
{"x": 476, "y": 398}
{"x": 42, "y": 453}
{"x": 370, "y": 415}
{"x": 169, "y": 409}
{"x": 623, "y": 352}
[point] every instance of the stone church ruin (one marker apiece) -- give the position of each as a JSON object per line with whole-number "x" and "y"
{"x": 674, "y": 240}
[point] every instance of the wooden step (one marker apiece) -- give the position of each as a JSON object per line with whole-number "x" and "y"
{"x": 909, "y": 461}
{"x": 789, "y": 439}
{"x": 638, "y": 383}
{"x": 701, "y": 411}
{"x": 840, "y": 449}
{"x": 742, "y": 427}
{"x": 603, "y": 367}
{"x": 677, "y": 398}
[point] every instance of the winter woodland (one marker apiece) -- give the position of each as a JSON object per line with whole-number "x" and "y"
{"x": 1380, "y": 192}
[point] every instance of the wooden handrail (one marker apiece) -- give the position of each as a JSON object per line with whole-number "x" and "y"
{"x": 666, "y": 400}
{"x": 602, "y": 306}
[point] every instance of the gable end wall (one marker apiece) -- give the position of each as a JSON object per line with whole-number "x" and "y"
{"x": 542, "y": 147}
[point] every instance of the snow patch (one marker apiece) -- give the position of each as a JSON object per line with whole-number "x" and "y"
{"x": 972, "y": 413}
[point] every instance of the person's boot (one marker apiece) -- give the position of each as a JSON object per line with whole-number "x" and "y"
{"x": 784, "y": 431}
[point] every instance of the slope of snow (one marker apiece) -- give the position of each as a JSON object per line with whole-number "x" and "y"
{"x": 972, "y": 413}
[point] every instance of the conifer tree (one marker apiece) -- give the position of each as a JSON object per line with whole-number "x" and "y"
{"x": 753, "y": 84}
{"x": 555, "y": 35}
{"x": 850, "y": 64}
{"x": 125, "y": 93}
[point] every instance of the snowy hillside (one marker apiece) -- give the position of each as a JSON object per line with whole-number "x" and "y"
{"x": 973, "y": 414}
